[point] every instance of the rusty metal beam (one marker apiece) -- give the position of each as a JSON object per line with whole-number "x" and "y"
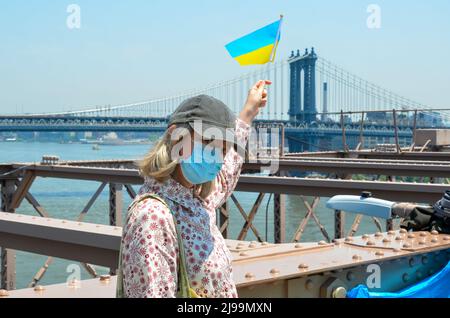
{"x": 91, "y": 202}
{"x": 22, "y": 189}
{"x": 130, "y": 191}
{"x": 115, "y": 204}
{"x": 408, "y": 192}
{"x": 242, "y": 235}
{"x": 393, "y": 167}
{"x": 83, "y": 242}
{"x": 7, "y": 256}
{"x": 339, "y": 224}
{"x": 224, "y": 219}
{"x": 298, "y": 270}
{"x": 412, "y": 192}
{"x": 279, "y": 217}
{"x": 361, "y": 166}
{"x": 244, "y": 215}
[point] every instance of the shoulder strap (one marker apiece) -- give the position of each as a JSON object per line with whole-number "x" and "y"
{"x": 185, "y": 291}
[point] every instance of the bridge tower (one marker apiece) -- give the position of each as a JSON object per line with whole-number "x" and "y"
{"x": 303, "y": 108}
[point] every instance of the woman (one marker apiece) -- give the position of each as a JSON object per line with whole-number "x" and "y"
{"x": 188, "y": 189}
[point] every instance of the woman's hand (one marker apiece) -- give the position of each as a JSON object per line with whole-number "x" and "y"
{"x": 257, "y": 98}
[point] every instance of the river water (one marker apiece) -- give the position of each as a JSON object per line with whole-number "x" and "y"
{"x": 65, "y": 199}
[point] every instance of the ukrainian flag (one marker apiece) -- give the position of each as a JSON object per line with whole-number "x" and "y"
{"x": 258, "y": 47}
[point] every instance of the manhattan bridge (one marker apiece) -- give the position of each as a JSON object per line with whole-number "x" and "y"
{"x": 317, "y": 103}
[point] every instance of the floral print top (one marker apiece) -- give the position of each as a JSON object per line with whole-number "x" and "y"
{"x": 149, "y": 241}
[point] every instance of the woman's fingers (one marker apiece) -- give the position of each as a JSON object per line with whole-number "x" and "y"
{"x": 262, "y": 85}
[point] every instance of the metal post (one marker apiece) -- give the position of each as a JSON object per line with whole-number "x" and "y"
{"x": 361, "y": 132}
{"x": 282, "y": 140}
{"x": 224, "y": 214}
{"x": 344, "y": 137}
{"x": 394, "y": 114}
{"x": 115, "y": 209}
{"x": 7, "y": 256}
{"x": 115, "y": 204}
{"x": 279, "y": 210}
{"x": 339, "y": 224}
{"x": 389, "y": 225}
{"x": 413, "y": 144}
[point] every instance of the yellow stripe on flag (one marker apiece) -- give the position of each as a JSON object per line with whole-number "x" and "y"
{"x": 259, "y": 56}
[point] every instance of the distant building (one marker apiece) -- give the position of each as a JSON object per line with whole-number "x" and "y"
{"x": 432, "y": 119}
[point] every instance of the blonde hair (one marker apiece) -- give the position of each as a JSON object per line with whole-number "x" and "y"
{"x": 159, "y": 165}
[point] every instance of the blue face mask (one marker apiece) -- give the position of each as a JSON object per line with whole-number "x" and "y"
{"x": 203, "y": 165}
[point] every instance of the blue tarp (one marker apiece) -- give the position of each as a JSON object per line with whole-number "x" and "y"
{"x": 436, "y": 286}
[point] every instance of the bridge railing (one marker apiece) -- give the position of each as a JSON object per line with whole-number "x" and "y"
{"x": 119, "y": 177}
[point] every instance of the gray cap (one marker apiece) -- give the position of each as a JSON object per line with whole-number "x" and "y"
{"x": 208, "y": 116}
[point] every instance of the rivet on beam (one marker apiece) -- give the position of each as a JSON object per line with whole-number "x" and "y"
{"x": 349, "y": 239}
{"x": 405, "y": 277}
{"x": 407, "y": 245}
{"x": 391, "y": 233}
{"x": 39, "y": 288}
{"x": 398, "y": 238}
{"x": 298, "y": 246}
{"x": 105, "y": 278}
{"x": 378, "y": 234}
{"x": 274, "y": 271}
{"x": 379, "y": 253}
{"x": 386, "y": 240}
{"x": 434, "y": 240}
{"x": 303, "y": 266}
{"x": 249, "y": 275}
{"x": 356, "y": 258}
{"x": 371, "y": 243}
{"x": 4, "y": 293}
{"x": 411, "y": 236}
{"x": 365, "y": 237}
{"x": 423, "y": 234}
{"x": 434, "y": 232}
{"x": 309, "y": 285}
{"x": 403, "y": 231}
{"x": 243, "y": 254}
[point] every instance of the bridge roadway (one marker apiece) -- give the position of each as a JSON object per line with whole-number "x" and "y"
{"x": 154, "y": 124}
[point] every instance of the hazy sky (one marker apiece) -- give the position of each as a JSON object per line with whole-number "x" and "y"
{"x": 128, "y": 51}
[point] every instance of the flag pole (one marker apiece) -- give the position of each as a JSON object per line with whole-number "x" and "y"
{"x": 274, "y": 52}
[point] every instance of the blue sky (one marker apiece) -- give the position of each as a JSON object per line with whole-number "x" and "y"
{"x": 135, "y": 50}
